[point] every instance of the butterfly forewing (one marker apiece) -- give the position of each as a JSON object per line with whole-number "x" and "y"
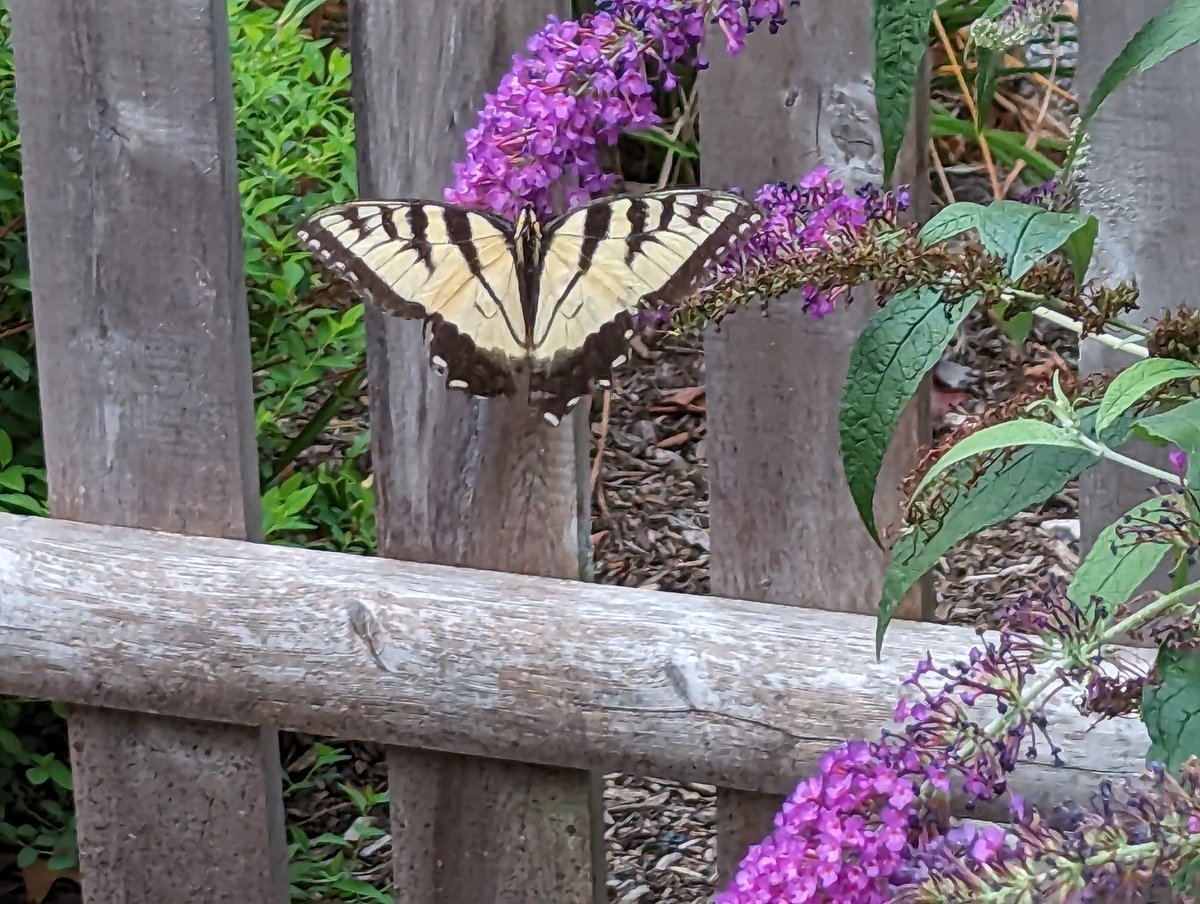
{"x": 451, "y": 266}
{"x": 604, "y": 261}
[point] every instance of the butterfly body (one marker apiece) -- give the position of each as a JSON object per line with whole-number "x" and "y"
{"x": 552, "y": 301}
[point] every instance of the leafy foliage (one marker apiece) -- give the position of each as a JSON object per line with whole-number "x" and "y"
{"x": 900, "y": 34}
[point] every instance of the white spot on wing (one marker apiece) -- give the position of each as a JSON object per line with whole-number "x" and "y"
{"x": 618, "y": 360}
{"x": 551, "y": 418}
{"x": 457, "y": 384}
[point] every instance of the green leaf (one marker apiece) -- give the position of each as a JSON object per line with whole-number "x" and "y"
{"x": 27, "y": 857}
{"x": 10, "y": 743}
{"x": 1115, "y": 567}
{"x": 1180, "y": 427}
{"x": 951, "y": 221}
{"x": 900, "y": 344}
{"x": 1171, "y": 707}
{"x": 6, "y": 449}
{"x": 1003, "y": 436}
{"x": 1008, "y": 485}
{"x": 1170, "y": 31}
{"x": 1024, "y": 234}
{"x": 15, "y": 364}
{"x": 1080, "y": 246}
{"x": 1137, "y": 380}
{"x": 987, "y": 64}
{"x": 663, "y": 140}
{"x": 900, "y": 35}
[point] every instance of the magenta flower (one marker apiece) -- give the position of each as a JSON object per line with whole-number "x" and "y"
{"x": 580, "y": 85}
{"x": 1179, "y": 462}
{"x": 842, "y": 835}
{"x": 803, "y": 223}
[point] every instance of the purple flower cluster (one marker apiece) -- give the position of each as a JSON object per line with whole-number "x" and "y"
{"x": 812, "y": 218}
{"x": 842, "y": 835}
{"x": 582, "y": 83}
{"x": 870, "y": 823}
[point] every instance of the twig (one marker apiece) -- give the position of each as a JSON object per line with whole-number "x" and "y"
{"x": 1129, "y": 344}
{"x": 13, "y": 331}
{"x": 941, "y": 172}
{"x": 598, "y": 462}
{"x": 970, "y": 102}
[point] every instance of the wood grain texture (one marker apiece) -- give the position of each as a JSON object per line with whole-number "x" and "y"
{"x": 126, "y": 118}
{"x": 1144, "y": 186}
{"x": 743, "y": 694}
{"x": 783, "y": 526}
{"x": 461, "y": 482}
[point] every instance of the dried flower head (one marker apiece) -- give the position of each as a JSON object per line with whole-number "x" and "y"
{"x": 1016, "y": 25}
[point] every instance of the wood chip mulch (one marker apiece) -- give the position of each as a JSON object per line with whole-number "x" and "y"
{"x": 650, "y": 522}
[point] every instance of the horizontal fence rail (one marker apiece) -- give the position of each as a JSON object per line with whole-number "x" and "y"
{"x": 747, "y": 695}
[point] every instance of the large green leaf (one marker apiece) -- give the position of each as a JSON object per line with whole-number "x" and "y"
{"x": 1115, "y": 567}
{"x": 1138, "y": 379}
{"x": 1170, "y": 31}
{"x": 1021, "y": 432}
{"x": 899, "y": 345}
{"x": 1007, "y": 486}
{"x": 1024, "y": 234}
{"x": 900, "y": 35}
{"x": 1171, "y": 707}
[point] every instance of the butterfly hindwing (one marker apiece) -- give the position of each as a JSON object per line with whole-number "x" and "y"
{"x": 453, "y": 267}
{"x": 604, "y": 261}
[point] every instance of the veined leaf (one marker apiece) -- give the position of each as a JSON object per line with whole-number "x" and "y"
{"x": 952, "y": 220}
{"x": 1115, "y": 567}
{"x": 1171, "y": 708}
{"x": 1007, "y": 485}
{"x": 899, "y": 345}
{"x": 1024, "y": 234}
{"x": 1137, "y": 380}
{"x": 900, "y": 36}
{"x": 1180, "y": 427}
{"x": 1003, "y": 436}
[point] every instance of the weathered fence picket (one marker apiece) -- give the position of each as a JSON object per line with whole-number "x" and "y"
{"x": 482, "y": 485}
{"x": 783, "y": 527}
{"x": 126, "y": 117}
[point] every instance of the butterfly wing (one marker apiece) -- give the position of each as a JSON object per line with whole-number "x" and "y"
{"x": 451, "y": 267}
{"x": 603, "y": 261}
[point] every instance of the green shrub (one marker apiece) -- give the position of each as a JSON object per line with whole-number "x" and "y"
{"x": 295, "y": 144}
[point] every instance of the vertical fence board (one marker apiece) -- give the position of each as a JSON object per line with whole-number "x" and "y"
{"x": 783, "y": 527}
{"x": 459, "y": 482}
{"x": 1143, "y": 183}
{"x": 126, "y": 117}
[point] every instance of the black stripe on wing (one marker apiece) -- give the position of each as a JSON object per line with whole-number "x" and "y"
{"x": 406, "y": 224}
{"x": 557, "y": 390}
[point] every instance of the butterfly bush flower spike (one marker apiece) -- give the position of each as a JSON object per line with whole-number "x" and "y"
{"x": 580, "y": 85}
{"x": 1016, "y": 25}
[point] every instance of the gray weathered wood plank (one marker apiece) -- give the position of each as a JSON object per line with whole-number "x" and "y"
{"x": 1144, "y": 186}
{"x": 783, "y": 526}
{"x": 572, "y": 674}
{"x": 126, "y": 117}
{"x": 458, "y": 482}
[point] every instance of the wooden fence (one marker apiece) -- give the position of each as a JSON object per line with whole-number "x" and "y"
{"x": 503, "y": 685}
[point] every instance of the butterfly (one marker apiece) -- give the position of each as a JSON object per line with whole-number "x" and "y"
{"x": 553, "y": 300}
